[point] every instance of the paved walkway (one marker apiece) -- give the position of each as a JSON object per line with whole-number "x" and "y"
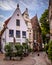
{"x": 32, "y": 59}
{"x": 25, "y": 61}
{"x": 41, "y": 59}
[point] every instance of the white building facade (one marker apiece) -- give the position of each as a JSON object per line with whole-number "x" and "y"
{"x": 19, "y": 28}
{"x": 16, "y": 29}
{"x": 29, "y": 27}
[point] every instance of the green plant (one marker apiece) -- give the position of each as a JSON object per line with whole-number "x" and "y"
{"x": 8, "y": 51}
{"x": 46, "y": 47}
{"x": 25, "y": 49}
{"x": 29, "y": 49}
{"x": 17, "y": 43}
{"x": 50, "y": 50}
{"x": 19, "y": 49}
{"x": 25, "y": 45}
{"x": 45, "y": 29}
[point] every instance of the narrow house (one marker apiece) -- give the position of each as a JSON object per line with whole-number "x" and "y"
{"x": 15, "y": 28}
{"x": 19, "y": 28}
{"x": 29, "y": 27}
{"x": 37, "y": 37}
{"x": 50, "y": 18}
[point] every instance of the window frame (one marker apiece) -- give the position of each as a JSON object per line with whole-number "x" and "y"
{"x": 17, "y": 14}
{"x": 17, "y": 22}
{"x": 11, "y": 34}
{"x": 23, "y": 34}
{"x": 18, "y": 36}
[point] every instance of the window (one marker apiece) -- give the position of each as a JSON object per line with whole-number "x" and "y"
{"x": 24, "y": 34}
{"x": 17, "y": 34}
{"x": 11, "y": 33}
{"x": 29, "y": 33}
{"x": 30, "y": 30}
{"x": 17, "y": 14}
{"x": 17, "y": 22}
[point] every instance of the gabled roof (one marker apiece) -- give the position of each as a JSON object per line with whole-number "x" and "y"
{"x": 35, "y": 23}
{"x": 26, "y": 11}
{"x": 23, "y": 13}
{"x": 2, "y": 31}
{"x": 6, "y": 22}
{"x": 5, "y": 26}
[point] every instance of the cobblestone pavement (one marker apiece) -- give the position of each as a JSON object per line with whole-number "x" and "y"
{"x": 32, "y": 59}
{"x": 41, "y": 59}
{"x": 25, "y": 61}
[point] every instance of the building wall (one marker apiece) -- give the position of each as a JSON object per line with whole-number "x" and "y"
{"x": 29, "y": 27}
{"x": 50, "y": 18}
{"x": 12, "y": 25}
{"x": 30, "y": 34}
{"x": 37, "y": 38}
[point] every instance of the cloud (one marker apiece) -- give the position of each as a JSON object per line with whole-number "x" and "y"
{"x": 11, "y": 4}
{"x": 27, "y": 5}
{"x": 7, "y": 4}
{"x": 34, "y": 6}
{"x": 1, "y": 25}
{"x": 1, "y": 21}
{"x": 1, "y": 16}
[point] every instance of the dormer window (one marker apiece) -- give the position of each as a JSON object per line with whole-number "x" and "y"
{"x": 17, "y": 22}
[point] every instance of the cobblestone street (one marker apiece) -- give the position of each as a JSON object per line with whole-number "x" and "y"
{"x": 30, "y": 60}
{"x": 41, "y": 59}
{"x": 25, "y": 61}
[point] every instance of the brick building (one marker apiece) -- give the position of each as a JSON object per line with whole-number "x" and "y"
{"x": 50, "y": 18}
{"x": 37, "y": 38}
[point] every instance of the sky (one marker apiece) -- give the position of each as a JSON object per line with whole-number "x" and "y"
{"x": 7, "y": 7}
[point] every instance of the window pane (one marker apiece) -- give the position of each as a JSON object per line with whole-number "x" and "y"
{"x": 11, "y": 33}
{"x": 17, "y": 14}
{"x": 24, "y": 34}
{"x": 18, "y": 34}
{"x": 17, "y": 22}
